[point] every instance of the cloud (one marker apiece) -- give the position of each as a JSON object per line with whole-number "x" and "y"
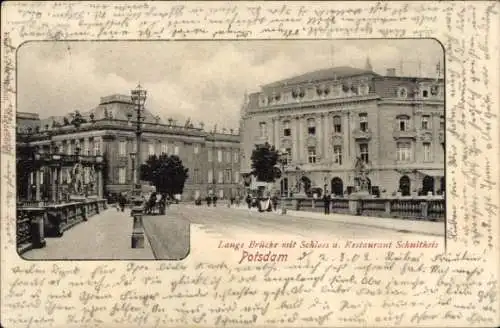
{"x": 201, "y": 80}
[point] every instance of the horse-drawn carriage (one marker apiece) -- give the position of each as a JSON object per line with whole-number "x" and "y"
{"x": 156, "y": 204}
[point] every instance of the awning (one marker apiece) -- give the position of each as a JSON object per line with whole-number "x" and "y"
{"x": 432, "y": 173}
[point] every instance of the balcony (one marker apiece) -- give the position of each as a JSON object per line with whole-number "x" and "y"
{"x": 359, "y": 134}
{"x": 407, "y": 134}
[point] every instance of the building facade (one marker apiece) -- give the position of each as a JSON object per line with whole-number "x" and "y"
{"x": 327, "y": 120}
{"x": 109, "y": 130}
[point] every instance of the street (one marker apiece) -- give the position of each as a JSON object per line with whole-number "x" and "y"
{"x": 170, "y": 236}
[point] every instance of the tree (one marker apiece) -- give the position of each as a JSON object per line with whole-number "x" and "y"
{"x": 166, "y": 173}
{"x": 264, "y": 159}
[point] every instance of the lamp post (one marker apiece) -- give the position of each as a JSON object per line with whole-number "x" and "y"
{"x": 283, "y": 160}
{"x": 138, "y": 96}
{"x": 132, "y": 157}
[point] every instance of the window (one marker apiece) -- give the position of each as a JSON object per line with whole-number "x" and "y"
{"x": 286, "y": 129}
{"x": 228, "y": 156}
{"x": 311, "y": 126}
{"x": 176, "y": 150}
{"x": 151, "y": 149}
{"x": 122, "y": 175}
{"x": 427, "y": 151}
{"x": 337, "y": 125}
{"x": 363, "y": 152}
{"x": 97, "y": 146}
{"x": 196, "y": 149}
{"x": 221, "y": 194}
{"x": 288, "y": 156}
{"x": 196, "y": 176}
{"x": 236, "y": 177}
{"x": 337, "y": 154}
{"x": 122, "y": 148}
{"x": 404, "y": 151}
{"x": 228, "y": 176}
{"x": 311, "y": 154}
{"x": 404, "y": 123}
{"x": 220, "y": 177}
{"x": 441, "y": 122}
{"x": 164, "y": 148}
{"x": 210, "y": 154}
{"x": 210, "y": 176}
{"x": 263, "y": 129}
{"x": 86, "y": 147}
{"x": 236, "y": 155}
{"x": 426, "y": 122}
{"x": 219, "y": 155}
{"x": 425, "y": 93}
{"x": 403, "y": 93}
{"x": 363, "y": 122}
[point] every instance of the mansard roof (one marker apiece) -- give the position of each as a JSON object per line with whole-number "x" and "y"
{"x": 321, "y": 75}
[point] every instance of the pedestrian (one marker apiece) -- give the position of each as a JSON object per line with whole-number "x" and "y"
{"x": 249, "y": 201}
{"x": 122, "y": 201}
{"x": 326, "y": 202}
{"x": 214, "y": 200}
{"x": 274, "y": 201}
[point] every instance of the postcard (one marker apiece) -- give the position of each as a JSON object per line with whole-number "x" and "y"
{"x": 234, "y": 164}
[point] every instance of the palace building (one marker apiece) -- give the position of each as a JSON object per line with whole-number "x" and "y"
{"x": 108, "y": 130}
{"x": 327, "y": 120}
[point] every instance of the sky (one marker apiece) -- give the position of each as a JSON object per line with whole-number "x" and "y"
{"x": 201, "y": 80}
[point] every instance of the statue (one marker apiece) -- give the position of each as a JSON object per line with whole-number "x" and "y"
{"x": 77, "y": 179}
{"x": 361, "y": 174}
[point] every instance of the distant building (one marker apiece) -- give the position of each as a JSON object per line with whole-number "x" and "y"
{"x": 109, "y": 130}
{"x": 328, "y": 119}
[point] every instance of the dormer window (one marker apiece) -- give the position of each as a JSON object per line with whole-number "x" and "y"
{"x": 311, "y": 123}
{"x": 402, "y": 92}
{"x": 403, "y": 123}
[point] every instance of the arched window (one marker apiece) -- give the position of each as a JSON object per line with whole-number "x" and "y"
{"x": 404, "y": 185}
{"x": 337, "y": 186}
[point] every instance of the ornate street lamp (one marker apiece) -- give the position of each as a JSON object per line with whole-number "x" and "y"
{"x": 138, "y": 96}
{"x": 132, "y": 157}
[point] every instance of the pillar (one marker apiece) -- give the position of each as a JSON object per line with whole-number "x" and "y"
{"x": 296, "y": 140}
{"x": 320, "y": 136}
{"x": 37, "y": 184}
{"x": 99, "y": 183}
{"x": 53, "y": 179}
{"x": 326, "y": 136}
{"x": 271, "y": 135}
{"x": 277, "y": 127}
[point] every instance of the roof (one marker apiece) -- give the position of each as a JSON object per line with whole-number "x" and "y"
{"x": 321, "y": 75}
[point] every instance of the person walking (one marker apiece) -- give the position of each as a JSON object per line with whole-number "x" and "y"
{"x": 326, "y": 202}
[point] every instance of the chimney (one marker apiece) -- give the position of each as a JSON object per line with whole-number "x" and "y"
{"x": 391, "y": 72}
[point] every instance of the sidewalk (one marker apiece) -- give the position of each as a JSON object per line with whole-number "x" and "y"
{"x": 397, "y": 224}
{"x": 106, "y": 236}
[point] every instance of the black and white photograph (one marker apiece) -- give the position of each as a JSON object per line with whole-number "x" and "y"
{"x": 127, "y": 150}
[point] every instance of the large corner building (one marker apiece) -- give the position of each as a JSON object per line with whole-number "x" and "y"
{"x": 328, "y": 119}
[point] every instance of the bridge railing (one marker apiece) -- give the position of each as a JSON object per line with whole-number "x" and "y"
{"x": 421, "y": 208}
{"x": 37, "y": 220}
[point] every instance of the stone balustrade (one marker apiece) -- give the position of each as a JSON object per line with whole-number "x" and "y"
{"x": 37, "y": 220}
{"x": 421, "y": 208}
